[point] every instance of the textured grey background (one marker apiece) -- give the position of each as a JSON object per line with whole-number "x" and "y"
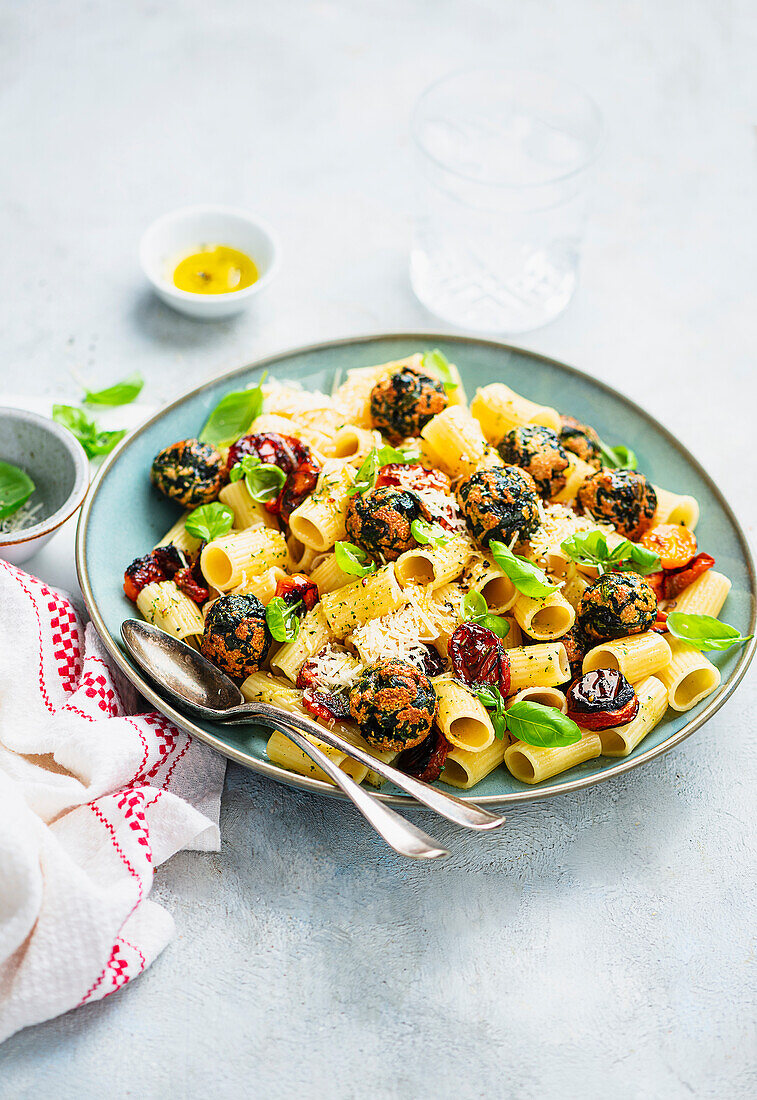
{"x": 604, "y": 944}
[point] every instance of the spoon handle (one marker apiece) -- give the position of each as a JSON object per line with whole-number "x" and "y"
{"x": 401, "y": 835}
{"x": 454, "y": 809}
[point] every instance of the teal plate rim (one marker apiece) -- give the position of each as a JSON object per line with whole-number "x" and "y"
{"x": 265, "y": 767}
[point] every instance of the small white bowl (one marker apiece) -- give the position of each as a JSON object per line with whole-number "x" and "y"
{"x": 182, "y": 232}
{"x": 57, "y": 465}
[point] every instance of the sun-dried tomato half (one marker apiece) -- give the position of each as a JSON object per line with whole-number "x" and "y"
{"x": 139, "y": 574}
{"x": 479, "y": 658}
{"x": 602, "y": 699}
{"x": 660, "y": 623}
{"x": 298, "y": 587}
{"x": 290, "y": 455}
{"x": 326, "y": 706}
{"x": 432, "y": 664}
{"x": 170, "y": 559}
{"x": 676, "y": 580}
{"x": 186, "y": 581}
{"x": 426, "y": 760}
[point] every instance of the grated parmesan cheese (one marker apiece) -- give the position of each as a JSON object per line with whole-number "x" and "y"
{"x": 335, "y": 669}
{"x": 23, "y": 517}
{"x": 558, "y": 523}
{"x": 396, "y": 636}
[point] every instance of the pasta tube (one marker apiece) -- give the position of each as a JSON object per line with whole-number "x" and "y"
{"x": 498, "y": 409}
{"x": 464, "y": 769}
{"x": 574, "y": 588}
{"x": 457, "y": 443}
{"x": 165, "y": 605}
{"x": 689, "y": 677}
{"x": 462, "y": 717}
{"x": 545, "y": 618}
{"x": 653, "y": 702}
{"x": 575, "y": 475}
{"x": 313, "y": 635}
{"x": 544, "y": 665}
{"x": 532, "y": 764}
{"x": 264, "y": 688}
{"x": 287, "y": 755}
{"x": 704, "y": 596}
{"x": 300, "y": 559}
{"x": 319, "y": 521}
{"x": 355, "y": 443}
{"x": 371, "y": 597}
{"x": 262, "y": 585}
{"x": 636, "y": 657}
{"x": 433, "y": 566}
{"x": 247, "y": 512}
{"x": 328, "y": 576}
{"x": 672, "y": 508}
{"x": 226, "y": 561}
{"x": 498, "y": 590}
{"x": 546, "y": 696}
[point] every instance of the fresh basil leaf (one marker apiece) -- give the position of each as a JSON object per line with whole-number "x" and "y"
{"x": 365, "y": 478}
{"x": 497, "y": 624}
{"x": 527, "y": 577}
{"x": 93, "y": 441}
{"x": 474, "y": 606}
{"x": 704, "y": 631}
{"x": 351, "y": 559}
{"x": 618, "y": 458}
{"x": 282, "y": 619}
{"x": 265, "y": 482}
{"x": 437, "y": 361}
{"x": 122, "y": 393}
{"x": 387, "y": 454}
{"x": 15, "y": 489}
{"x": 233, "y": 416}
{"x": 476, "y": 610}
{"x": 590, "y": 548}
{"x": 637, "y": 559}
{"x": 545, "y": 727}
{"x": 210, "y": 521}
{"x": 428, "y": 533}
{"x": 492, "y": 699}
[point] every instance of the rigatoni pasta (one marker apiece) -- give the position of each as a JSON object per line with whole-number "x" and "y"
{"x": 433, "y": 577}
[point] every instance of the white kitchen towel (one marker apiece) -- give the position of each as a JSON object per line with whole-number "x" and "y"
{"x": 93, "y": 796}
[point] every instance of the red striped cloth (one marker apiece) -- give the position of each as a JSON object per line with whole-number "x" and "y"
{"x": 93, "y": 797}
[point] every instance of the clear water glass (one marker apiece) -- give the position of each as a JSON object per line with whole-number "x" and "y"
{"x": 504, "y": 166}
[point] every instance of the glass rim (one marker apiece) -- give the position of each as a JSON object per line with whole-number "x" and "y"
{"x": 467, "y": 70}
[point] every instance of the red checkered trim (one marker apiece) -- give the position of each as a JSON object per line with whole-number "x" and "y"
{"x": 65, "y": 638}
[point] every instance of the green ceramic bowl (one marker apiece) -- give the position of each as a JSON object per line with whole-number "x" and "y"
{"x": 123, "y": 517}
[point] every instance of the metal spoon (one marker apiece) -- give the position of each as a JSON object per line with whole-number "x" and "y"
{"x": 208, "y": 692}
{"x": 174, "y": 671}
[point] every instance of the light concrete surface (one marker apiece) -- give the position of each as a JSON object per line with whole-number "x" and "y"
{"x": 603, "y": 945}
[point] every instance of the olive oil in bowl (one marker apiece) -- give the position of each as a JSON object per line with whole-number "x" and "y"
{"x": 215, "y": 269}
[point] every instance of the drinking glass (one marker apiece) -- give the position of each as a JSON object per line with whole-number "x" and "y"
{"x": 504, "y": 159}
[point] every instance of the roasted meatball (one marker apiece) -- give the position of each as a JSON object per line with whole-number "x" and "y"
{"x": 582, "y": 440}
{"x": 379, "y": 521}
{"x": 499, "y": 503}
{"x": 405, "y": 402}
{"x": 189, "y": 472}
{"x": 621, "y": 497}
{"x": 614, "y": 606}
{"x": 236, "y": 636}
{"x": 394, "y": 704}
{"x": 537, "y": 450}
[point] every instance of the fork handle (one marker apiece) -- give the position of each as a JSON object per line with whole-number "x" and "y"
{"x": 454, "y": 809}
{"x": 401, "y": 835}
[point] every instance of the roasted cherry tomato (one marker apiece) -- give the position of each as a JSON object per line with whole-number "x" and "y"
{"x": 298, "y": 587}
{"x": 675, "y": 582}
{"x": 326, "y": 706}
{"x": 601, "y": 700}
{"x": 139, "y": 574}
{"x": 674, "y": 545}
{"x": 290, "y": 455}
